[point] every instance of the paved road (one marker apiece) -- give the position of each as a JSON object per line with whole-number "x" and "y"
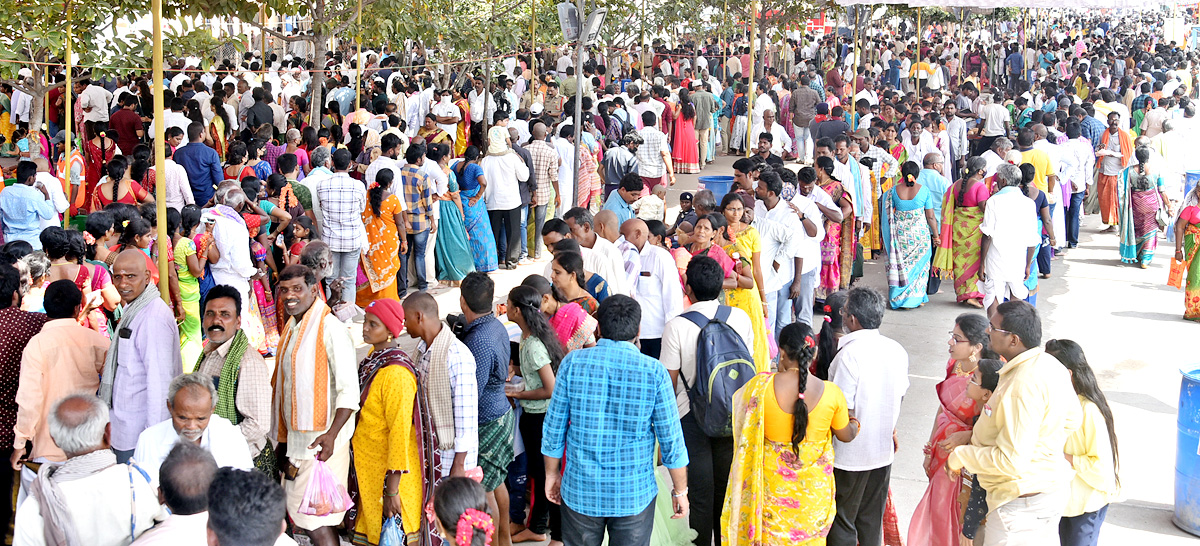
{"x": 1128, "y": 322}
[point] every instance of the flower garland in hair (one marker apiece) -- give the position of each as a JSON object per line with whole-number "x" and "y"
{"x": 469, "y": 521}
{"x": 89, "y": 238}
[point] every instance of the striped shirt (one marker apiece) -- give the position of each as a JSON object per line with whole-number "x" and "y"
{"x": 343, "y": 200}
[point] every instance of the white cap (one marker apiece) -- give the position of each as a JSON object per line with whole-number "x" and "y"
{"x": 536, "y": 109}
{"x": 25, "y": 73}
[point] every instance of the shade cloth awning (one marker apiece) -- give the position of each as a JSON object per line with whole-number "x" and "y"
{"x": 1082, "y": 4}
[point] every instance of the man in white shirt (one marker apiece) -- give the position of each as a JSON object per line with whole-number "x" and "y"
{"x": 609, "y": 261}
{"x": 79, "y": 424}
{"x": 708, "y": 471}
{"x": 994, "y": 120}
{"x": 1010, "y": 240}
{"x": 186, "y": 476}
{"x": 447, "y": 114}
{"x": 1079, "y": 178}
{"x": 872, "y": 372}
{"x": 815, "y": 204}
{"x": 857, "y": 181}
{"x": 94, "y": 102}
{"x": 658, "y": 290}
{"x": 564, "y": 146}
{"x": 780, "y": 141}
{"x": 191, "y": 399}
{"x": 790, "y": 247}
{"x": 994, "y": 157}
{"x": 504, "y": 169}
{"x": 956, "y": 130}
{"x": 53, "y": 187}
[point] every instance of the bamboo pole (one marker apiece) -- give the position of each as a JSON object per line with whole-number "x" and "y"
{"x": 262, "y": 35}
{"x": 750, "y": 70}
{"x": 581, "y": 10}
{"x": 358, "y": 62}
{"x": 854, "y": 72}
{"x": 917, "y": 72}
{"x": 160, "y": 156}
{"x": 532, "y": 50}
{"x": 962, "y": 46}
{"x": 1023, "y": 45}
{"x": 68, "y": 115}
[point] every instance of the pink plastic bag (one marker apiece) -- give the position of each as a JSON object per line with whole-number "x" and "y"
{"x": 324, "y": 495}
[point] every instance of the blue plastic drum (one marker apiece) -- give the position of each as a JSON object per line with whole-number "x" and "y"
{"x": 1187, "y": 455}
{"x": 719, "y": 185}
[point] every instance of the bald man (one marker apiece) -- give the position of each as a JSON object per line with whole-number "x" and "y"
{"x": 608, "y": 226}
{"x": 142, "y": 358}
{"x": 658, "y": 290}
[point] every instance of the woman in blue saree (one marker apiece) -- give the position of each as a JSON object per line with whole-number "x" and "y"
{"x": 908, "y": 227}
{"x": 479, "y": 228}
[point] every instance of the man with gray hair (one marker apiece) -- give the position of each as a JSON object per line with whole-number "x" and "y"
{"x": 1010, "y": 240}
{"x": 321, "y": 160}
{"x": 65, "y": 508}
{"x": 229, "y": 232}
{"x": 191, "y": 399}
{"x": 872, "y": 372}
{"x": 994, "y": 156}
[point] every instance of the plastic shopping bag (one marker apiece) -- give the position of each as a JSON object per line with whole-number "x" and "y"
{"x": 391, "y": 534}
{"x": 324, "y": 495}
{"x": 1175, "y": 277}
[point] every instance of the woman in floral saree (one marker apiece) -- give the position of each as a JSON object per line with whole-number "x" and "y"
{"x": 1187, "y": 241}
{"x": 960, "y": 252}
{"x": 781, "y": 487}
{"x": 837, "y": 249}
{"x": 908, "y": 227}
{"x": 936, "y": 521}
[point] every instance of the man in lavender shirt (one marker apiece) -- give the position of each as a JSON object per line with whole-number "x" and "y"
{"x": 143, "y": 357}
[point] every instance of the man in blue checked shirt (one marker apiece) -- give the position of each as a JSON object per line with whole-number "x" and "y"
{"x": 610, "y": 404}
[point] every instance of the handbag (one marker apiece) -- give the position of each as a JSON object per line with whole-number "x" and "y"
{"x": 1161, "y": 217}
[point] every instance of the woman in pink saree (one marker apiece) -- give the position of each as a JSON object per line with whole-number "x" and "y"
{"x": 936, "y": 522}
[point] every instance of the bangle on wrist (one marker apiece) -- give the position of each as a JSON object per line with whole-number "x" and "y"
{"x": 386, "y": 494}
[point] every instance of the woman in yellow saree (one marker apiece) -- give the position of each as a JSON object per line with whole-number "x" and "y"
{"x": 380, "y": 260}
{"x": 781, "y": 488}
{"x": 959, "y": 254}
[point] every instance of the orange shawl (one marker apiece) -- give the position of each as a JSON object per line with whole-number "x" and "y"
{"x": 1126, "y": 146}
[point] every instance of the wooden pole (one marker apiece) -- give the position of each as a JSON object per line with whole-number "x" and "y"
{"x": 160, "y": 156}
{"x": 917, "y": 72}
{"x": 962, "y": 45}
{"x": 1024, "y": 42}
{"x": 581, "y": 10}
{"x": 68, "y": 116}
{"x": 750, "y": 70}
{"x": 358, "y": 62}
{"x": 532, "y": 49}
{"x": 854, "y": 71}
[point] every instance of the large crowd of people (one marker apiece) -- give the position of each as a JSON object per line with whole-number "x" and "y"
{"x": 716, "y": 375}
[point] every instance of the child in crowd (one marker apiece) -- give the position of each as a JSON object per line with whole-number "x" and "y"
{"x": 301, "y": 234}
{"x": 983, "y": 383}
{"x": 652, "y": 205}
{"x": 461, "y": 513}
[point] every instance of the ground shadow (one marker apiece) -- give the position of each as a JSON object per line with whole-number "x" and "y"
{"x": 1149, "y": 315}
{"x": 1144, "y": 516}
{"x": 1140, "y": 401}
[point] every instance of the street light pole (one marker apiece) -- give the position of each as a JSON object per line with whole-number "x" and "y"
{"x": 580, "y": 8}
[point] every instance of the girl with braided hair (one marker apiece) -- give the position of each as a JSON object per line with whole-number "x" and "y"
{"x": 781, "y": 482}
{"x": 461, "y": 510}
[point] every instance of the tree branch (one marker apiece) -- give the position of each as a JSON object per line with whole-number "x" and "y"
{"x": 347, "y": 12}
{"x": 276, "y": 33}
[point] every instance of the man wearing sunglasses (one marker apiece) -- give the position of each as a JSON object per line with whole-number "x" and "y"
{"x": 1016, "y": 445}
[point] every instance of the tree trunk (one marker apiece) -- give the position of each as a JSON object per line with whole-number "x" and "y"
{"x": 317, "y": 82}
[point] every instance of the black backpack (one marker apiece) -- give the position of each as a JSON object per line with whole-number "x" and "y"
{"x": 723, "y": 365}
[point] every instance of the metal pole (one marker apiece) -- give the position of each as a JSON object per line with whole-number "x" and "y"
{"x": 67, "y": 117}
{"x": 750, "y": 70}
{"x": 961, "y": 48}
{"x": 160, "y": 156}
{"x": 1023, "y": 43}
{"x": 581, "y": 9}
{"x": 487, "y": 78}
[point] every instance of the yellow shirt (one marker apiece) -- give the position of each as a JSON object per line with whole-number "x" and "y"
{"x": 1017, "y": 443}
{"x": 1041, "y": 166}
{"x": 1095, "y": 483}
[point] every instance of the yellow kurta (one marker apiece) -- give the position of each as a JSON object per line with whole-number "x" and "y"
{"x": 385, "y": 440}
{"x": 1095, "y": 483}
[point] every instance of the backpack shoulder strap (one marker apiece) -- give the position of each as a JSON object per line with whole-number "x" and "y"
{"x": 723, "y": 312}
{"x": 697, "y": 318}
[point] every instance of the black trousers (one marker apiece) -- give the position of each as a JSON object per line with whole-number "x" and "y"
{"x": 8, "y": 477}
{"x": 861, "y": 498}
{"x": 652, "y": 347}
{"x": 508, "y": 248}
{"x": 708, "y": 478}
{"x": 545, "y": 514}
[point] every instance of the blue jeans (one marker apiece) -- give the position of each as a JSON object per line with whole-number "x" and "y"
{"x": 345, "y": 267}
{"x": 416, "y": 253}
{"x": 581, "y": 530}
{"x": 779, "y": 309}
{"x": 1082, "y": 530}
{"x": 1074, "y": 215}
{"x": 524, "y": 232}
{"x": 803, "y": 305}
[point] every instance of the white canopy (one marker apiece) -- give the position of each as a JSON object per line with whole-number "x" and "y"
{"x": 1083, "y": 4}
